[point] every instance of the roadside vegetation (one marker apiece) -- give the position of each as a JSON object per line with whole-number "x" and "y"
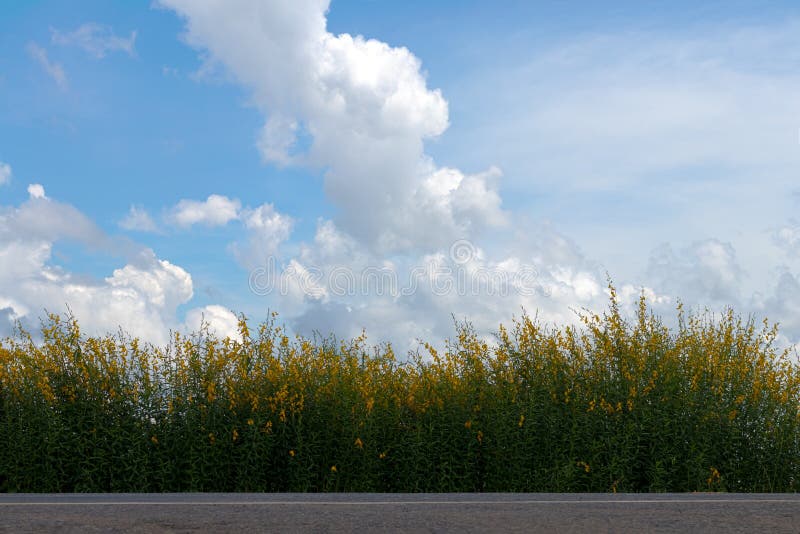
{"x": 613, "y": 405}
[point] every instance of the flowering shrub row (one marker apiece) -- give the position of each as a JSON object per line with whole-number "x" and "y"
{"x": 614, "y": 405}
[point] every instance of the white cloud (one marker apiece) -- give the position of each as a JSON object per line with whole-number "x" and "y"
{"x": 96, "y": 39}
{"x": 43, "y": 220}
{"x": 366, "y": 109}
{"x": 54, "y": 70}
{"x": 157, "y": 282}
{"x": 142, "y": 296}
{"x": 636, "y": 106}
{"x": 337, "y": 285}
{"x": 218, "y": 320}
{"x": 266, "y": 229}
{"x": 706, "y": 271}
{"x": 278, "y": 137}
{"x": 787, "y": 237}
{"x": 138, "y": 220}
{"x": 367, "y": 112}
{"x": 703, "y": 118}
{"x": 36, "y": 191}
{"x": 5, "y": 173}
{"x": 627, "y": 138}
{"x": 216, "y": 210}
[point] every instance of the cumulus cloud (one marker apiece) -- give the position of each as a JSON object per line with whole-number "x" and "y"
{"x": 142, "y": 296}
{"x": 53, "y": 69}
{"x": 216, "y": 319}
{"x": 98, "y": 40}
{"x": 5, "y": 173}
{"x": 266, "y": 229}
{"x": 36, "y": 191}
{"x": 361, "y": 111}
{"x": 216, "y": 210}
{"x": 366, "y": 108}
{"x": 138, "y": 220}
{"x": 336, "y": 284}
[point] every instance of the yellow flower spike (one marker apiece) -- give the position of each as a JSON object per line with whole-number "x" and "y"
{"x": 521, "y": 421}
{"x": 480, "y": 436}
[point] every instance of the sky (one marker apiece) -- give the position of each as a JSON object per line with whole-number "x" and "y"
{"x": 395, "y": 167}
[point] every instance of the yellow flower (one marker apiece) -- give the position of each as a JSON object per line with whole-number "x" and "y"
{"x": 291, "y": 453}
{"x": 382, "y": 455}
{"x": 714, "y": 477}
{"x": 333, "y": 469}
{"x": 359, "y": 443}
{"x": 521, "y": 421}
{"x": 154, "y": 439}
{"x": 250, "y": 422}
{"x": 235, "y": 434}
{"x": 468, "y": 425}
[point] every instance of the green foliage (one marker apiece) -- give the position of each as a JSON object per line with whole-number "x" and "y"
{"x": 610, "y": 406}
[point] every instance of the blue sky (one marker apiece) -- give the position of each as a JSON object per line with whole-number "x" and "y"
{"x": 653, "y": 141}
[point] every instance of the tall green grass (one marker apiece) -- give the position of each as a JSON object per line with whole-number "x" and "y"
{"x": 614, "y": 405}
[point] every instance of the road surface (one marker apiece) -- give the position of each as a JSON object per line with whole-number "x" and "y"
{"x": 400, "y": 513}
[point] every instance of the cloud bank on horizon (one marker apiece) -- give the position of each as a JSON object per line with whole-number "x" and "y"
{"x": 359, "y": 113}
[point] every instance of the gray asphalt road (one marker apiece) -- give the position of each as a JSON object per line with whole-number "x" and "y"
{"x": 400, "y": 513}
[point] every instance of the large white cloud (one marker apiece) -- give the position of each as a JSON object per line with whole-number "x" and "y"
{"x": 603, "y": 114}
{"x": 366, "y": 108}
{"x": 336, "y": 284}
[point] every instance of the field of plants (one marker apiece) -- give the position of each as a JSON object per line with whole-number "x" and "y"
{"x": 614, "y": 405}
